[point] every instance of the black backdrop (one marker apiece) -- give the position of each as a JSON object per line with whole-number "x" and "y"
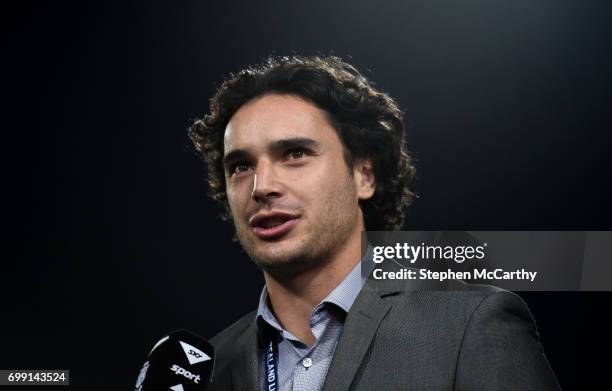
{"x": 109, "y": 241}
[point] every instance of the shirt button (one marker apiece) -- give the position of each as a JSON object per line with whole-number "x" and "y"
{"x": 307, "y": 362}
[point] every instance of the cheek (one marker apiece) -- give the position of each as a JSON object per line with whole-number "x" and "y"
{"x": 325, "y": 188}
{"x": 235, "y": 201}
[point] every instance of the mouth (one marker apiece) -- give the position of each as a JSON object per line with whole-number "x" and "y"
{"x": 272, "y": 225}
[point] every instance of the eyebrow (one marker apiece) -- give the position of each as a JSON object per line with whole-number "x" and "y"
{"x": 295, "y": 142}
{"x": 277, "y": 145}
{"x": 236, "y": 154}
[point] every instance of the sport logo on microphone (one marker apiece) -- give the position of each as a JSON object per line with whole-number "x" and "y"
{"x": 194, "y": 355}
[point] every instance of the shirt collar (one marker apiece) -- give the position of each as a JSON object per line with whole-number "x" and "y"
{"x": 343, "y": 296}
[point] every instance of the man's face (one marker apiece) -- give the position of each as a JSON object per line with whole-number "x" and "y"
{"x": 291, "y": 195}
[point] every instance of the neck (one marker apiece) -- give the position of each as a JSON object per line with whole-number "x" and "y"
{"x": 293, "y": 297}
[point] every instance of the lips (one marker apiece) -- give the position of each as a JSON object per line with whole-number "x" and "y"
{"x": 272, "y": 225}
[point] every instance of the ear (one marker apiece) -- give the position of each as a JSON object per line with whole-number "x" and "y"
{"x": 365, "y": 182}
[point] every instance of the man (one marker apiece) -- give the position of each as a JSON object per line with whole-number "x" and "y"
{"x": 305, "y": 154}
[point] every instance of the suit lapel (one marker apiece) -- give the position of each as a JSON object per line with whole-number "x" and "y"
{"x": 360, "y": 327}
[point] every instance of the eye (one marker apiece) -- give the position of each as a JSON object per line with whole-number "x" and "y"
{"x": 296, "y": 153}
{"x": 239, "y": 167}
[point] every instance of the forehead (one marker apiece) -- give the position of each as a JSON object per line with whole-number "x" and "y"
{"x": 274, "y": 117}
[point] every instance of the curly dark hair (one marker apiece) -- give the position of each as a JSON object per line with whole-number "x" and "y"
{"x": 368, "y": 121}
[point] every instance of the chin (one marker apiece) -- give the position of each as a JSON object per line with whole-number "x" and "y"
{"x": 281, "y": 257}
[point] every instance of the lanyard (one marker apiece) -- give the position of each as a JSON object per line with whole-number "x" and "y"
{"x": 272, "y": 365}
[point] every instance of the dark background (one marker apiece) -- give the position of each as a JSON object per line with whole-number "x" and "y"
{"x": 109, "y": 241}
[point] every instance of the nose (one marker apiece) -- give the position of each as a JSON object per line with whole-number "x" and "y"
{"x": 266, "y": 184}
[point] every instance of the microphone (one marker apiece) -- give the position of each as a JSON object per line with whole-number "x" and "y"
{"x": 180, "y": 361}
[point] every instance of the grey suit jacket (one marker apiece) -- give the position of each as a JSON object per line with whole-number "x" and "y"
{"x": 406, "y": 336}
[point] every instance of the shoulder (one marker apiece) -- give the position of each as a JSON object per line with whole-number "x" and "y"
{"x": 483, "y": 337}
{"x": 418, "y": 305}
{"x": 458, "y": 303}
{"x": 442, "y": 299}
{"x": 483, "y": 297}
{"x": 487, "y": 300}
{"x": 453, "y": 297}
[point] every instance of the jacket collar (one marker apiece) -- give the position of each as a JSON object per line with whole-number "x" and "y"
{"x": 362, "y": 322}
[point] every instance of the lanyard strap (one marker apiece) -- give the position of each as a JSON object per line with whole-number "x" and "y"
{"x": 272, "y": 365}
